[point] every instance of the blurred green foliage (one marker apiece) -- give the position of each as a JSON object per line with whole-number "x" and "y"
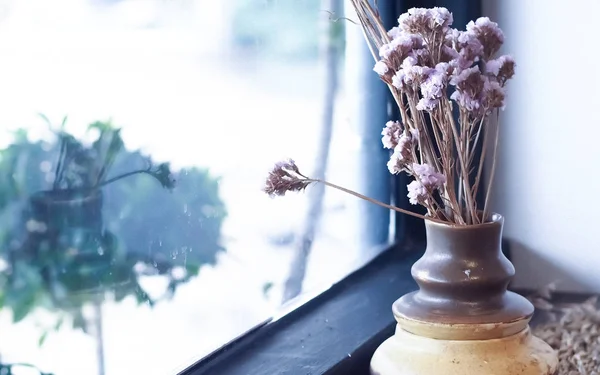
{"x": 83, "y": 222}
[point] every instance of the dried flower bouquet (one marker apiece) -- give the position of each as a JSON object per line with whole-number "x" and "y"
{"x": 449, "y": 87}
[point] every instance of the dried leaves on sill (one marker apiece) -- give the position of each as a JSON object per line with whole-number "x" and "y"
{"x": 572, "y": 329}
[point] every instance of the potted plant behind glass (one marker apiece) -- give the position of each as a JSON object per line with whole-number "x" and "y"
{"x": 77, "y": 228}
{"x": 65, "y": 231}
{"x": 449, "y": 87}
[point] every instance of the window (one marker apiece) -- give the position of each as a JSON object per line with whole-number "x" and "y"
{"x": 135, "y": 138}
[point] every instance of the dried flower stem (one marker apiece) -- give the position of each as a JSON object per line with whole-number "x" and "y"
{"x": 375, "y": 201}
{"x": 493, "y": 171}
{"x": 476, "y": 140}
{"x": 481, "y": 164}
{"x": 465, "y": 172}
{"x": 375, "y": 17}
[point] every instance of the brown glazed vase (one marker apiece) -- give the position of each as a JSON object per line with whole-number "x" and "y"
{"x": 462, "y": 320}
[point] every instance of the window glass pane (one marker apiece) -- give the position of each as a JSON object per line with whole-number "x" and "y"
{"x": 135, "y": 139}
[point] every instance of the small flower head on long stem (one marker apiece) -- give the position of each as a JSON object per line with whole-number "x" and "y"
{"x": 285, "y": 176}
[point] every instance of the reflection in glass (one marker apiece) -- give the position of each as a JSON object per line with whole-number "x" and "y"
{"x": 68, "y": 247}
{"x": 142, "y": 242}
{"x": 20, "y": 369}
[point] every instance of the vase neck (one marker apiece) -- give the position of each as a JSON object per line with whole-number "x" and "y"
{"x": 463, "y": 263}
{"x": 463, "y": 277}
{"x": 472, "y": 241}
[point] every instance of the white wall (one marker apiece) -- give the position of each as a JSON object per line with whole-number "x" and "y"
{"x": 548, "y": 176}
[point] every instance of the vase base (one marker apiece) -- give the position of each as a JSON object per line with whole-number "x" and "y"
{"x": 409, "y": 354}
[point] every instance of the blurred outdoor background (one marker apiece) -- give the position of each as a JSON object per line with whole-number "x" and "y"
{"x": 139, "y": 277}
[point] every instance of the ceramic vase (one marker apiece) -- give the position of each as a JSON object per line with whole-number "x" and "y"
{"x": 462, "y": 320}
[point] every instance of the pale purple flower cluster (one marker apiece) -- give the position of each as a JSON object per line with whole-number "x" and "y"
{"x": 433, "y": 88}
{"x": 402, "y": 155}
{"x": 381, "y": 68}
{"x": 425, "y": 55}
{"x": 489, "y": 34}
{"x": 428, "y": 176}
{"x": 493, "y": 94}
{"x": 417, "y": 193}
{"x": 411, "y": 74}
{"x": 285, "y": 176}
{"x": 427, "y": 181}
{"x": 479, "y": 93}
{"x": 425, "y": 21}
{"x": 469, "y": 86}
{"x": 492, "y": 67}
{"x": 468, "y": 49}
{"x": 503, "y": 68}
{"x": 398, "y": 80}
{"x": 423, "y": 60}
{"x": 391, "y": 134}
{"x": 415, "y": 74}
{"x": 402, "y": 142}
{"x": 394, "y": 32}
{"x": 393, "y": 53}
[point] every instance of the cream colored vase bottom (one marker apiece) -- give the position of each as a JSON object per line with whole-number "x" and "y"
{"x": 518, "y": 354}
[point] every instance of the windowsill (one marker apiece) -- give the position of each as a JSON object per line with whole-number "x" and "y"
{"x": 334, "y": 333}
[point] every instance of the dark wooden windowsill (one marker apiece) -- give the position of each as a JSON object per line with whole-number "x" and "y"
{"x": 335, "y": 333}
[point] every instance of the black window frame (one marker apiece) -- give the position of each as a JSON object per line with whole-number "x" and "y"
{"x": 337, "y": 331}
